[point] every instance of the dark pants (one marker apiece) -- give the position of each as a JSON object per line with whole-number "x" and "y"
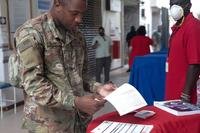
{"x": 103, "y": 63}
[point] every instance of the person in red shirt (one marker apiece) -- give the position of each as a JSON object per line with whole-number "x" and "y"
{"x": 140, "y": 45}
{"x": 184, "y": 53}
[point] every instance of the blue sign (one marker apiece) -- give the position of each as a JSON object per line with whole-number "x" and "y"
{"x": 44, "y": 4}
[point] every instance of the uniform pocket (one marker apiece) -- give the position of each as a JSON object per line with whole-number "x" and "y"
{"x": 54, "y": 59}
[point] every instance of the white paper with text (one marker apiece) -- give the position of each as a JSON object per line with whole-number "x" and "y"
{"x": 119, "y": 127}
{"x": 126, "y": 99}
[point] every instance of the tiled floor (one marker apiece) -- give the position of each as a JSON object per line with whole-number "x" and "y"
{"x": 11, "y": 123}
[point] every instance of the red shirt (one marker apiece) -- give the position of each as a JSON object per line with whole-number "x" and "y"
{"x": 140, "y": 46}
{"x": 184, "y": 49}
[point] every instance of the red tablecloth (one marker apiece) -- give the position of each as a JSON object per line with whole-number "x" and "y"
{"x": 163, "y": 122}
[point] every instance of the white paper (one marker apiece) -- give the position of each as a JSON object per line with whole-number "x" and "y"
{"x": 126, "y": 127}
{"x": 103, "y": 126}
{"x": 138, "y": 129}
{"x": 126, "y": 99}
{"x": 131, "y": 129}
{"x": 166, "y": 66}
{"x": 119, "y": 127}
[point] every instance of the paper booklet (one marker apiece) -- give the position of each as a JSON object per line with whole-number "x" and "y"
{"x": 119, "y": 127}
{"x": 177, "y": 107}
{"x": 126, "y": 99}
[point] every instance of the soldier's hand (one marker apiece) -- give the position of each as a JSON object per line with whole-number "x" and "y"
{"x": 106, "y": 89}
{"x": 90, "y": 103}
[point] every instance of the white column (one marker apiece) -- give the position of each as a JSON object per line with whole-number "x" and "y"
{"x": 4, "y": 41}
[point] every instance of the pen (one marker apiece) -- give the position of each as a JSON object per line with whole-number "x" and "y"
{"x": 96, "y": 99}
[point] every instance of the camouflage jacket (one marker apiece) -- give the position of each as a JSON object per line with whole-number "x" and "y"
{"x": 54, "y": 73}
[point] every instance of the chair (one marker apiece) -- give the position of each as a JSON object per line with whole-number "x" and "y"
{"x": 4, "y": 86}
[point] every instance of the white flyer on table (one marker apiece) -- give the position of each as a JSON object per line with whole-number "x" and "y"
{"x": 120, "y": 127}
{"x": 126, "y": 99}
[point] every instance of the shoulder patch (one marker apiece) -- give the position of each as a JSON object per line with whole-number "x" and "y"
{"x": 25, "y": 45}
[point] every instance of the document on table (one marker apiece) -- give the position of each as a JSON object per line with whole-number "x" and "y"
{"x": 126, "y": 99}
{"x": 119, "y": 127}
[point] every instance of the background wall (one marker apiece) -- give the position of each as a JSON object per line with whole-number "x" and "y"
{"x": 131, "y": 17}
{"x": 146, "y": 15}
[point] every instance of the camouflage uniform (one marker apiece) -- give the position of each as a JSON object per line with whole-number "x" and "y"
{"x": 54, "y": 63}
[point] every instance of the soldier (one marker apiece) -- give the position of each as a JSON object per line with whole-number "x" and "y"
{"x": 53, "y": 57}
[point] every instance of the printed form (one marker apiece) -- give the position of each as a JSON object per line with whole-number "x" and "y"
{"x": 126, "y": 99}
{"x": 119, "y": 127}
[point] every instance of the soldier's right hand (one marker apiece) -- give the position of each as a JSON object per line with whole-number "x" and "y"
{"x": 89, "y": 103}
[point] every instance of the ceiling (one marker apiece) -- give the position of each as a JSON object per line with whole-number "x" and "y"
{"x": 131, "y": 2}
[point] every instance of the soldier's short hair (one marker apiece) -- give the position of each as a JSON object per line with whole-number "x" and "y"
{"x": 67, "y": 1}
{"x": 64, "y": 2}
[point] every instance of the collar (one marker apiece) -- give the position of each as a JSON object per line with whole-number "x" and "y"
{"x": 67, "y": 37}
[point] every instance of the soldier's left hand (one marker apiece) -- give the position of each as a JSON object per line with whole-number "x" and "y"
{"x": 89, "y": 103}
{"x": 106, "y": 89}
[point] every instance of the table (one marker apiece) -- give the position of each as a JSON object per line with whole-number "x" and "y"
{"x": 163, "y": 122}
{"x": 148, "y": 76}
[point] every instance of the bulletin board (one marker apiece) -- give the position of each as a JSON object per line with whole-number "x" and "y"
{"x": 4, "y": 37}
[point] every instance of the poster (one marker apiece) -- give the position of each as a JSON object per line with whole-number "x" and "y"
{"x": 3, "y": 35}
{"x": 4, "y": 39}
{"x": 115, "y": 5}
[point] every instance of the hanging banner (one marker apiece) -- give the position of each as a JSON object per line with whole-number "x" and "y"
{"x": 4, "y": 38}
{"x": 3, "y": 34}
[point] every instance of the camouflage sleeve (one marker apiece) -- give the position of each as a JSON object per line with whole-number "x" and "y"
{"x": 89, "y": 83}
{"x": 36, "y": 84}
